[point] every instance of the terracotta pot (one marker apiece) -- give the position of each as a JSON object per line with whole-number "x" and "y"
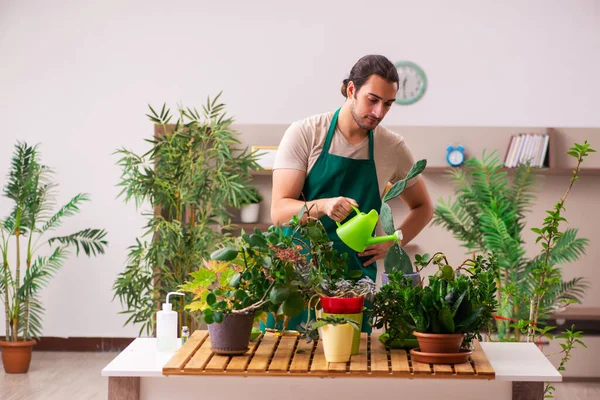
{"x": 439, "y": 342}
{"x": 16, "y": 356}
{"x": 232, "y": 335}
{"x": 335, "y": 305}
{"x": 441, "y": 358}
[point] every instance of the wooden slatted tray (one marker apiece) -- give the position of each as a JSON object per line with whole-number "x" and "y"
{"x": 271, "y": 355}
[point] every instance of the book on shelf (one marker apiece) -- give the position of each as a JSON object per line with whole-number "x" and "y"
{"x": 526, "y": 148}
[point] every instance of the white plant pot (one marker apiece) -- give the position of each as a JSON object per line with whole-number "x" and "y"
{"x": 337, "y": 342}
{"x": 249, "y": 213}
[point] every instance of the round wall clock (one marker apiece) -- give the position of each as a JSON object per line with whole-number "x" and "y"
{"x": 413, "y": 83}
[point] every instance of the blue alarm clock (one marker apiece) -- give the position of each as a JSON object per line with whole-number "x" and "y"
{"x": 455, "y": 155}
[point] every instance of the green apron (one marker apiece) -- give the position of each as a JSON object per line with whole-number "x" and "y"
{"x": 334, "y": 176}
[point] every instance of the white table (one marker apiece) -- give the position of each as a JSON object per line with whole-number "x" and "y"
{"x": 136, "y": 373}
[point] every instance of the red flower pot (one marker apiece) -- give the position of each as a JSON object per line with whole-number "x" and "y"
{"x": 334, "y": 305}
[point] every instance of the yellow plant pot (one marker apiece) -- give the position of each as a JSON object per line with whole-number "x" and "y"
{"x": 337, "y": 342}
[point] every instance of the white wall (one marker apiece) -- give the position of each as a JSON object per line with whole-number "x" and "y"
{"x": 76, "y": 77}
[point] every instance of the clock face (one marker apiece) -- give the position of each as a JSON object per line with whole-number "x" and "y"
{"x": 455, "y": 157}
{"x": 413, "y": 83}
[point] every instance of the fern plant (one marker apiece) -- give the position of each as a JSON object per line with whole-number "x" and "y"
{"x": 195, "y": 171}
{"x": 488, "y": 214}
{"x": 32, "y": 191}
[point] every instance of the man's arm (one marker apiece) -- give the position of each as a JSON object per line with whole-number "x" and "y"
{"x": 287, "y": 187}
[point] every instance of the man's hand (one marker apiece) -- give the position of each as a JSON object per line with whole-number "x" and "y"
{"x": 377, "y": 251}
{"x": 338, "y": 208}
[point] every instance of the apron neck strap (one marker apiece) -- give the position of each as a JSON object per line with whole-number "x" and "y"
{"x": 331, "y": 131}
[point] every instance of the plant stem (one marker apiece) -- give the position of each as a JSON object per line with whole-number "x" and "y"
{"x": 29, "y": 255}
{"x": 535, "y": 311}
{"x": 16, "y": 283}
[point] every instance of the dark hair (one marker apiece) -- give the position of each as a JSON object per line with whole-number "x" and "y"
{"x": 370, "y": 65}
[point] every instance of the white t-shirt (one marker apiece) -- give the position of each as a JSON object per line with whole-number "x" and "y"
{"x": 303, "y": 142}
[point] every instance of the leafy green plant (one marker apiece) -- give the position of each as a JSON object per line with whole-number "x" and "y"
{"x": 546, "y": 276}
{"x": 310, "y": 331}
{"x": 460, "y": 300}
{"x": 258, "y": 273}
{"x": 488, "y": 214}
{"x": 33, "y": 193}
{"x": 396, "y": 258}
{"x": 346, "y": 288}
{"x": 195, "y": 170}
{"x": 254, "y": 197}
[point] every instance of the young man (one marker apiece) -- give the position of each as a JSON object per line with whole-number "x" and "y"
{"x": 336, "y": 160}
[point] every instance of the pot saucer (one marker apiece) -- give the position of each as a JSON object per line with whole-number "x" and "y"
{"x": 440, "y": 358}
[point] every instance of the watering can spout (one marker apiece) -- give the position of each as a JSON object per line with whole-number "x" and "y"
{"x": 396, "y": 237}
{"x": 356, "y": 232}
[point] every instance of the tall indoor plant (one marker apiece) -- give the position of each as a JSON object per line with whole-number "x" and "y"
{"x": 32, "y": 191}
{"x": 488, "y": 214}
{"x": 193, "y": 172}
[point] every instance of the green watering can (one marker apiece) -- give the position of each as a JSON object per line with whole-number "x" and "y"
{"x": 356, "y": 232}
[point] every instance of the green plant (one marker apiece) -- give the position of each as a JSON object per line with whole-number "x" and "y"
{"x": 310, "y": 331}
{"x": 396, "y": 258}
{"x": 254, "y": 197}
{"x": 488, "y": 214}
{"x": 193, "y": 172}
{"x": 259, "y": 272}
{"x": 31, "y": 189}
{"x": 346, "y": 288}
{"x": 219, "y": 288}
{"x": 546, "y": 276}
{"x": 452, "y": 302}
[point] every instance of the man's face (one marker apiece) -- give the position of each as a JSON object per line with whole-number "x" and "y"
{"x": 370, "y": 104}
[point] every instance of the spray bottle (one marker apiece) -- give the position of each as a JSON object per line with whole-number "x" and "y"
{"x": 166, "y": 326}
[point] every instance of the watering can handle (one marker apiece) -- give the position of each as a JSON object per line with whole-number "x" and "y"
{"x": 356, "y": 210}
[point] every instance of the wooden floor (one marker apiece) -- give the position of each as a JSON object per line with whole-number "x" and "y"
{"x": 69, "y": 375}
{"x": 289, "y": 356}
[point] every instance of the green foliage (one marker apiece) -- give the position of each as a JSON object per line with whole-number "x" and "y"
{"x": 32, "y": 191}
{"x": 453, "y": 301}
{"x": 346, "y": 288}
{"x": 547, "y": 280}
{"x": 488, "y": 214}
{"x": 396, "y": 258}
{"x": 278, "y": 271}
{"x": 254, "y": 197}
{"x": 193, "y": 172}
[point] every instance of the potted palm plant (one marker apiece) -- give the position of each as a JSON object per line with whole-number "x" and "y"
{"x": 32, "y": 191}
